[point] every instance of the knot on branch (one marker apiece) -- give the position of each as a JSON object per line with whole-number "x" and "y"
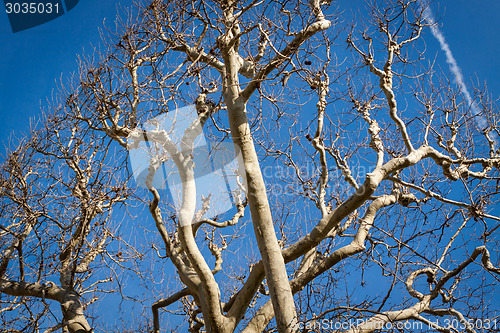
{"x": 204, "y": 106}
{"x": 476, "y": 210}
{"x": 375, "y": 141}
{"x": 406, "y": 199}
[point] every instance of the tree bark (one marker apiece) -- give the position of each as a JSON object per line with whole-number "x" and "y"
{"x": 274, "y": 264}
{"x": 71, "y": 306}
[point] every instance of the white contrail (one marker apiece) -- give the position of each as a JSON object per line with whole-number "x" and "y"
{"x": 457, "y": 72}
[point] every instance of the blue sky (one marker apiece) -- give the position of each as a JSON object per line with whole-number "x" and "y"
{"x": 34, "y": 60}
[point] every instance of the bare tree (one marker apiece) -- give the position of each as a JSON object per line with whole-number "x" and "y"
{"x": 371, "y": 179}
{"x": 58, "y": 192}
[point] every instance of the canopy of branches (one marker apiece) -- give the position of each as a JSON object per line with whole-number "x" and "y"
{"x": 350, "y": 182}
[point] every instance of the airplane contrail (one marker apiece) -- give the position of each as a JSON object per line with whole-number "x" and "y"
{"x": 456, "y": 71}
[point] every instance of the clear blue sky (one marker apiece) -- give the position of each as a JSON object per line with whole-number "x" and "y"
{"x": 33, "y": 60}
